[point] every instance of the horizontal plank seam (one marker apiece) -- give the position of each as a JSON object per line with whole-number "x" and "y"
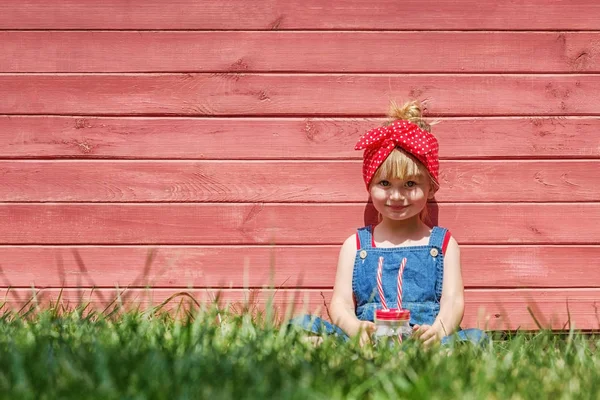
{"x": 287, "y": 288}
{"x": 294, "y": 119}
{"x": 283, "y": 74}
{"x": 298, "y": 115}
{"x": 452, "y": 72}
{"x": 308, "y": 30}
{"x": 319, "y": 30}
{"x": 279, "y": 246}
{"x": 292, "y": 161}
{"x": 296, "y": 203}
{"x": 292, "y": 290}
{"x": 108, "y": 158}
{"x": 306, "y": 203}
{"x": 20, "y": 244}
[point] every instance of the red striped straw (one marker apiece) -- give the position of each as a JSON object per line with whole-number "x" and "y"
{"x": 379, "y": 284}
{"x": 400, "y": 273}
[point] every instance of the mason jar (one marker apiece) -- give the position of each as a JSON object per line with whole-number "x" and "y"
{"x": 392, "y": 326}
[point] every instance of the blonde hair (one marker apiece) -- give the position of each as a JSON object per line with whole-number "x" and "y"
{"x": 400, "y": 164}
{"x": 411, "y": 111}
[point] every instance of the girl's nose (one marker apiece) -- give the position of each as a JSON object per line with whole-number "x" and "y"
{"x": 396, "y": 195}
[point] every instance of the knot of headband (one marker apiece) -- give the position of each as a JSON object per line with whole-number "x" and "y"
{"x": 378, "y": 143}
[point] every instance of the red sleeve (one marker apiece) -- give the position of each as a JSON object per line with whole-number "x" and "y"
{"x": 447, "y": 237}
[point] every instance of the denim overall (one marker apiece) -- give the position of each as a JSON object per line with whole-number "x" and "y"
{"x": 421, "y": 284}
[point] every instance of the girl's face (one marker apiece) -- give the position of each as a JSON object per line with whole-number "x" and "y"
{"x": 400, "y": 199}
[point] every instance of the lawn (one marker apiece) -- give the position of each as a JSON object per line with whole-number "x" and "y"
{"x": 83, "y": 354}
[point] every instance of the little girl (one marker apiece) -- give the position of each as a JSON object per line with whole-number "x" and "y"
{"x": 400, "y": 170}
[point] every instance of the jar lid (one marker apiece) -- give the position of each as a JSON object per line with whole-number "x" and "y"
{"x": 392, "y": 314}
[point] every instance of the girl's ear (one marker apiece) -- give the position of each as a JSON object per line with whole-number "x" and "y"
{"x": 433, "y": 188}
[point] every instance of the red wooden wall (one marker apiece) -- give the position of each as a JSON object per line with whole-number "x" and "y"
{"x": 218, "y": 136}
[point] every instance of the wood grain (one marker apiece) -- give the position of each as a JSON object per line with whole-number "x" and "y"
{"x": 269, "y": 181}
{"x": 493, "y": 223}
{"x": 508, "y": 309}
{"x": 296, "y": 14}
{"x": 483, "y": 266}
{"x": 284, "y": 138}
{"x": 227, "y": 94}
{"x": 346, "y": 52}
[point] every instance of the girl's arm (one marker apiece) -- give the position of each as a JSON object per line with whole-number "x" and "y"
{"x": 342, "y": 306}
{"x": 452, "y": 303}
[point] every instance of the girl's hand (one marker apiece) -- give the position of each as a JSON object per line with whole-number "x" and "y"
{"x": 427, "y": 334}
{"x": 365, "y": 330}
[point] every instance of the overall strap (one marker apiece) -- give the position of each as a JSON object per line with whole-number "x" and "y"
{"x": 438, "y": 241}
{"x": 439, "y": 238}
{"x": 364, "y": 238}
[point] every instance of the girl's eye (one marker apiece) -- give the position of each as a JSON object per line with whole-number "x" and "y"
{"x": 384, "y": 183}
{"x": 411, "y": 184}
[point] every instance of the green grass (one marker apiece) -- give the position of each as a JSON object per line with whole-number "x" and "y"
{"x": 137, "y": 355}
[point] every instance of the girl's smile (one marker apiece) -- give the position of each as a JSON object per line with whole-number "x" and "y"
{"x": 397, "y": 208}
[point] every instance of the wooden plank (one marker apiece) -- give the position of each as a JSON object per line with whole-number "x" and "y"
{"x": 486, "y": 266}
{"x": 471, "y": 223}
{"x": 268, "y": 181}
{"x": 296, "y": 14}
{"x": 487, "y": 309}
{"x": 284, "y": 138}
{"x": 227, "y": 94}
{"x": 283, "y": 302}
{"x": 346, "y": 52}
{"x": 512, "y": 309}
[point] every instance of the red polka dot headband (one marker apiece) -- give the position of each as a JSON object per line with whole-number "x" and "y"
{"x": 378, "y": 143}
